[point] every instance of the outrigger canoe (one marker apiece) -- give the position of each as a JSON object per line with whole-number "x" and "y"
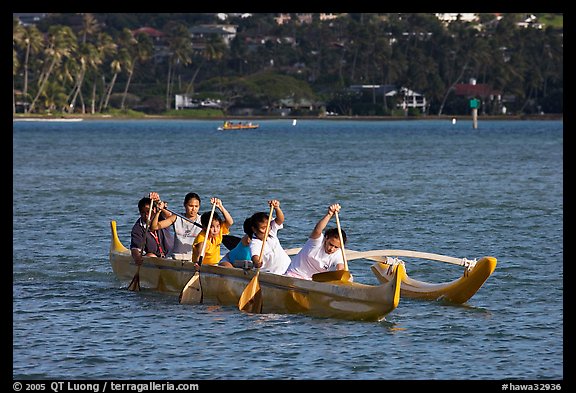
{"x": 458, "y": 291}
{"x": 280, "y": 294}
{"x": 238, "y": 126}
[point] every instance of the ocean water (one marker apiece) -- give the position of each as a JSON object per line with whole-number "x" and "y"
{"x": 427, "y": 185}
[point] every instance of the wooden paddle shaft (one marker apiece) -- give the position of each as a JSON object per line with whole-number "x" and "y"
{"x": 266, "y": 234}
{"x": 341, "y": 241}
{"x": 207, "y": 232}
{"x": 251, "y": 297}
{"x": 147, "y": 227}
{"x": 135, "y": 283}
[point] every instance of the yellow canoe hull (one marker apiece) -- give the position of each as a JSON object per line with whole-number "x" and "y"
{"x": 281, "y": 294}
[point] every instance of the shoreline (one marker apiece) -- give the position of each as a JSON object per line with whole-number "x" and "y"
{"x": 80, "y": 117}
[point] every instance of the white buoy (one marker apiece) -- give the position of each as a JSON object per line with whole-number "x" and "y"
{"x": 453, "y": 120}
{"x": 294, "y": 122}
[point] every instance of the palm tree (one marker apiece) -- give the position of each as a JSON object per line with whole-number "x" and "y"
{"x": 15, "y": 66}
{"x": 61, "y": 43}
{"x": 105, "y": 47}
{"x": 17, "y": 40}
{"x": 141, "y": 50}
{"x": 458, "y": 59}
{"x": 31, "y": 40}
{"x": 213, "y": 50}
{"x": 90, "y": 26}
{"x": 116, "y": 66}
{"x": 180, "y": 44}
{"x": 88, "y": 58}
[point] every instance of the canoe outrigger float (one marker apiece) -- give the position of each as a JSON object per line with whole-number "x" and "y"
{"x": 457, "y": 291}
{"x": 281, "y": 294}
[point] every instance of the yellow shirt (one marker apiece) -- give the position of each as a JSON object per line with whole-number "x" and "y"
{"x": 212, "y": 251}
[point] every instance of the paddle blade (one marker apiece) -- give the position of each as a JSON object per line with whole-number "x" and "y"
{"x": 297, "y": 302}
{"x": 336, "y": 275}
{"x": 230, "y": 241}
{"x": 251, "y": 298}
{"x": 135, "y": 283}
{"x": 192, "y": 291}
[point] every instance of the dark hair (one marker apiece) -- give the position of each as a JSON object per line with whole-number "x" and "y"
{"x": 191, "y": 195}
{"x": 248, "y": 226}
{"x": 257, "y": 218}
{"x": 143, "y": 202}
{"x": 333, "y": 232}
{"x": 205, "y": 217}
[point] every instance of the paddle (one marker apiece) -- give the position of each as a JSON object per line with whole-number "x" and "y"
{"x": 337, "y": 275}
{"x": 229, "y": 241}
{"x": 192, "y": 291}
{"x": 184, "y": 218}
{"x": 341, "y": 242}
{"x": 135, "y": 283}
{"x": 251, "y": 297}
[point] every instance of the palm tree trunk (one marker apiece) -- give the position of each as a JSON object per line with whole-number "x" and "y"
{"x": 190, "y": 87}
{"x": 130, "y": 73}
{"x": 82, "y": 104}
{"x": 42, "y": 85}
{"x": 93, "y": 98}
{"x": 13, "y": 97}
{"x": 77, "y": 89}
{"x": 109, "y": 91}
{"x": 168, "y": 84}
{"x": 25, "y": 90}
{"x": 451, "y": 88}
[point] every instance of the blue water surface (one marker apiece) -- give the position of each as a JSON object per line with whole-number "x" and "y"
{"x": 427, "y": 185}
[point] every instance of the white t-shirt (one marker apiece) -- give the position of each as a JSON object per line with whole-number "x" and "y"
{"x": 275, "y": 260}
{"x": 313, "y": 259}
{"x": 184, "y": 234}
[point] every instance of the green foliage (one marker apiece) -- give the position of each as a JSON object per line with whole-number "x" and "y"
{"x": 99, "y": 64}
{"x": 126, "y": 113}
{"x": 275, "y": 86}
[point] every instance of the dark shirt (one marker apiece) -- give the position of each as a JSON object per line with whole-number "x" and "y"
{"x": 165, "y": 239}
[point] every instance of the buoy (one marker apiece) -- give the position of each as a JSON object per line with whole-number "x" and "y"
{"x": 294, "y": 122}
{"x": 453, "y": 120}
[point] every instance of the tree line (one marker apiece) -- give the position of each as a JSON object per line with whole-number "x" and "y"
{"x": 94, "y": 63}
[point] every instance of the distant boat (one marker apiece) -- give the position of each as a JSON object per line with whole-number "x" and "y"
{"x": 62, "y": 119}
{"x": 228, "y": 125}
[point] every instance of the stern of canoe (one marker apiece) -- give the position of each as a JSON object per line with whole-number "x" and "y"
{"x": 163, "y": 275}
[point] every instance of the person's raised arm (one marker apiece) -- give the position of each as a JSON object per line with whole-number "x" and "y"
{"x": 227, "y": 217}
{"x": 279, "y": 213}
{"x": 317, "y": 231}
{"x": 161, "y": 224}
